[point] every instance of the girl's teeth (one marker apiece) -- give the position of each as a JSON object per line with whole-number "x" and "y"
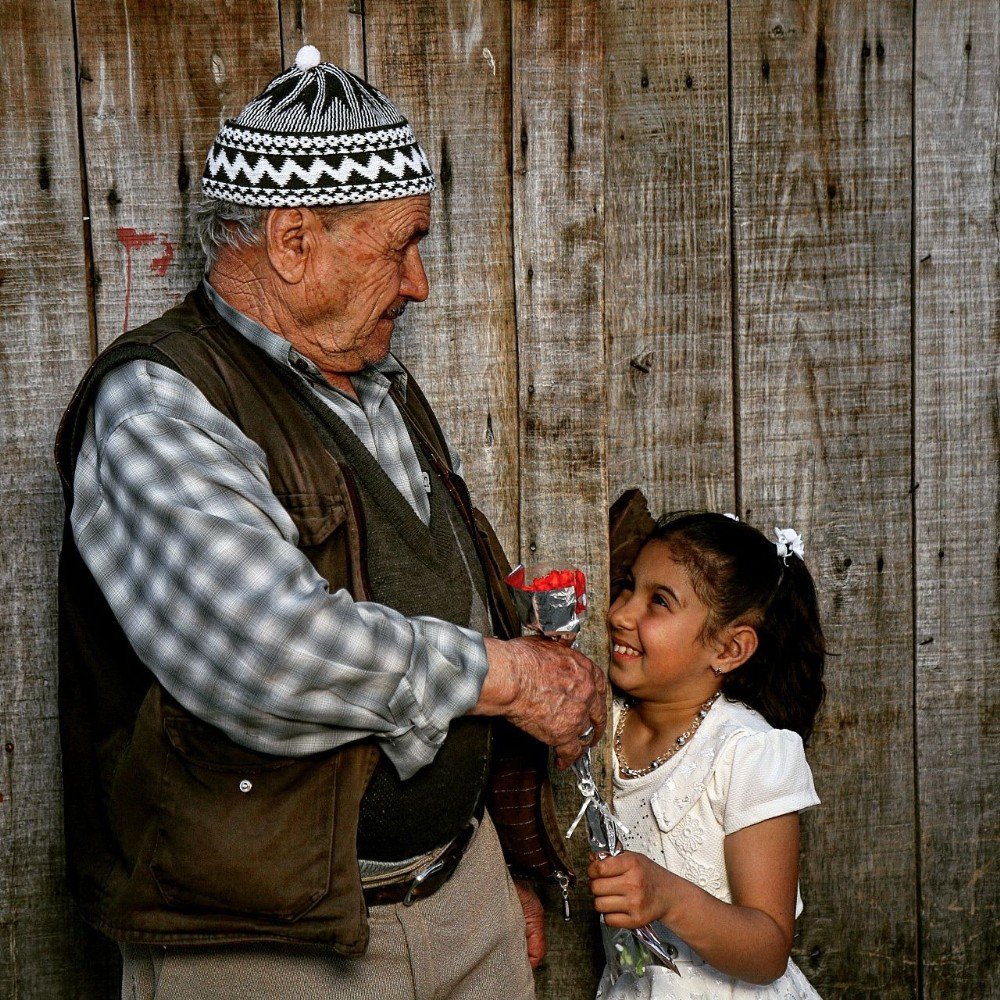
{"x": 625, "y": 650}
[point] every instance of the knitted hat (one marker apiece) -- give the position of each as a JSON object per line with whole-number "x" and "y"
{"x": 317, "y": 135}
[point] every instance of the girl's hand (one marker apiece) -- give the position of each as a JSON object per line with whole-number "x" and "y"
{"x": 631, "y": 890}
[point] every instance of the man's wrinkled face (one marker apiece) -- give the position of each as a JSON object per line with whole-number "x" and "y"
{"x": 366, "y": 271}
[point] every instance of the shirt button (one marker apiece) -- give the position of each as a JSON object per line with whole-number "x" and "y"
{"x": 245, "y": 785}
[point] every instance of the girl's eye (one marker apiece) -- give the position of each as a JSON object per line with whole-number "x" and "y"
{"x": 660, "y": 600}
{"x": 621, "y": 583}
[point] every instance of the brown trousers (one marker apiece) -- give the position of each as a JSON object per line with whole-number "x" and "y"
{"x": 465, "y": 942}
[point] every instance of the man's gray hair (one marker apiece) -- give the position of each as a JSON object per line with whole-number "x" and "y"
{"x": 219, "y": 224}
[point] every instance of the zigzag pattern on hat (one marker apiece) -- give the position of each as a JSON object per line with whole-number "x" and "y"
{"x": 317, "y": 135}
{"x": 281, "y": 171}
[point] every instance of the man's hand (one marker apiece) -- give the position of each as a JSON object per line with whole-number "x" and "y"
{"x": 631, "y": 890}
{"x": 534, "y": 922}
{"x": 548, "y": 690}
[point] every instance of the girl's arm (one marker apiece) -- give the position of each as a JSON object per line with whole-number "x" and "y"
{"x": 750, "y": 938}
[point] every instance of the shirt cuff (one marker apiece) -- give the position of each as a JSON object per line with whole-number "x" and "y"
{"x": 446, "y": 686}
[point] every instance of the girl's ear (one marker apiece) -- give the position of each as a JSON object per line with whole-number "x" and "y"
{"x": 734, "y": 647}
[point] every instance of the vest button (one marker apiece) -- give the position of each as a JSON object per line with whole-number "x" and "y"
{"x": 245, "y": 785}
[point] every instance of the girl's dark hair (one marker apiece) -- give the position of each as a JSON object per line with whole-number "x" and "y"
{"x": 737, "y": 573}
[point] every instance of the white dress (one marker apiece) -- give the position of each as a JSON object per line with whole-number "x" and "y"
{"x": 736, "y": 771}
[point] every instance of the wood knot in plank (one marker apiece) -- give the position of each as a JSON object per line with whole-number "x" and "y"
{"x": 445, "y": 172}
{"x": 183, "y": 174}
{"x": 642, "y": 362}
{"x": 44, "y": 173}
{"x": 218, "y": 70}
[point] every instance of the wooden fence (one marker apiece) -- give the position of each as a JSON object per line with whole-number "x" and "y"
{"x": 744, "y": 255}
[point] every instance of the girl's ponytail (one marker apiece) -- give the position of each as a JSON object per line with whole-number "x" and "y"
{"x": 741, "y": 577}
{"x": 783, "y": 680}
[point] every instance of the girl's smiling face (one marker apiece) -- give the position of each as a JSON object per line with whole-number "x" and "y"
{"x": 658, "y": 647}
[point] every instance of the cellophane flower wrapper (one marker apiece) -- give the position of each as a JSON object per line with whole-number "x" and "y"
{"x": 623, "y": 955}
{"x": 553, "y": 602}
{"x": 626, "y": 952}
{"x": 550, "y": 602}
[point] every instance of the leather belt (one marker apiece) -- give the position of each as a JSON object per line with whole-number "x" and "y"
{"x": 427, "y": 880}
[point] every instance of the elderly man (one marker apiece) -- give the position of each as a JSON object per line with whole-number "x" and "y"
{"x": 295, "y": 755}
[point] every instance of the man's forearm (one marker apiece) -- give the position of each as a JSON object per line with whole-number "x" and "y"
{"x": 177, "y": 521}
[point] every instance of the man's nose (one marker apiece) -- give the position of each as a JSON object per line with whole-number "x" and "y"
{"x": 414, "y": 284}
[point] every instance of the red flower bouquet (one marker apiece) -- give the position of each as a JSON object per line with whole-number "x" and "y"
{"x": 553, "y": 603}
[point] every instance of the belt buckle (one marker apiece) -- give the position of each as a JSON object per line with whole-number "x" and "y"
{"x": 420, "y": 878}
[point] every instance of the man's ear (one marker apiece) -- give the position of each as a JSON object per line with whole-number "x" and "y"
{"x": 291, "y": 236}
{"x": 734, "y": 647}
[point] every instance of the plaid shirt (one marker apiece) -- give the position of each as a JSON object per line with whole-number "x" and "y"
{"x": 174, "y": 515}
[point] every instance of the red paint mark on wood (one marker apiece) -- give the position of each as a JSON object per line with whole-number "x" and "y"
{"x": 131, "y": 239}
{"x": 160, "y": 264}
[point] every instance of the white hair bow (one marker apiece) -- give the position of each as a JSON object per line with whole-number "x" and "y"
{"x": 789, "y": 543}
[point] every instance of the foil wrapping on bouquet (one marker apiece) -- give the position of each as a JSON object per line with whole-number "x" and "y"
{"x": 627, "y": 952}
{"x": 553, "y": 603}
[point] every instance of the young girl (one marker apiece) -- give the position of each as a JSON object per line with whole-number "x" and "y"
{"x": 718, "y": 652}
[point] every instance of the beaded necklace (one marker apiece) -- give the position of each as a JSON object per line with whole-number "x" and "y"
{"x": 679, "y": 743}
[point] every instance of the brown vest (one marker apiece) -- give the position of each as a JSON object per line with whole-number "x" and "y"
{"x": 162, "y": 846}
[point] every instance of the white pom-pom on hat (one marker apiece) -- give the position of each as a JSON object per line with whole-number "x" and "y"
{"x": 308, "y": 57}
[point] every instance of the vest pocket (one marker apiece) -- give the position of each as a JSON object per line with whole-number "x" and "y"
{"x": 321, "y": 521}
{"x": 241, "y": 831}
{"x": 315, "y": 516}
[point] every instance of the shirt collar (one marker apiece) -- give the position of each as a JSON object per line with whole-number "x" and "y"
{"x": 384, "y": 372}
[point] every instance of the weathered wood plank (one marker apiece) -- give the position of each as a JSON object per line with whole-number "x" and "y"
{"x": 148, "y": 122}
{"x": 821, "y": 170}
{"x": 957, "y": 449}
{"x": 448, "y": 68}
{"x": 558, "y": 252}
{"x": 335, "y": 27}
{"x": 45, "y": 338}
{"x": 667, "y": 258}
